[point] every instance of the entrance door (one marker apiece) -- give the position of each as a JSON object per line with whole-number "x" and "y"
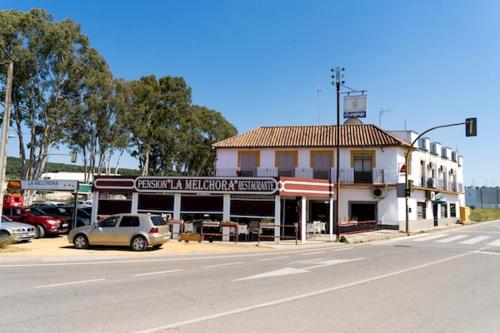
{"x": 363, "y": 164}
{"x": 435, "y": 213}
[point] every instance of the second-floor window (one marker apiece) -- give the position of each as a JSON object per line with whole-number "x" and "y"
{"x": 248, "y": 161}
{"x": 286, "y": 162}
{"x": 321, "y": 163}
{"x": 363, "y": 163}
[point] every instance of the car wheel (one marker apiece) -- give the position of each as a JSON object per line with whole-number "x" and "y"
{"x": 139, "y": 243}
{"x": 4, "y": 234}
{"x": 81, "y": 242}
{"x": 39, "y": 231}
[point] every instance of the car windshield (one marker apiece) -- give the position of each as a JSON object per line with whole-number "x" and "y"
{"x": 5, "y": 219}
{"x": 36, "y": 212}
{"x": 158, "y": 220}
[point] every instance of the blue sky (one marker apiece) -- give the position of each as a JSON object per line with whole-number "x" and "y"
{"x": 261, "y": 62}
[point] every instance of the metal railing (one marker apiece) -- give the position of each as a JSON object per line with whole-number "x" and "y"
{"x": 441, "y": 184}
{"x": 282, "y": 236}
{"x": 347, "y": 176}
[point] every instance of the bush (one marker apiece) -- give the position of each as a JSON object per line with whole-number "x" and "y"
{"x": 480, "y": 215}
{"x": 5, "y": 241}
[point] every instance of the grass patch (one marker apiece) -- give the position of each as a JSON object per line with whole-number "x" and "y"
{"x": 481, "y": 215}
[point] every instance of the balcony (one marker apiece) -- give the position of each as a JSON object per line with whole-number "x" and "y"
{"x": 346, "y": 176}
{"x": 441, "y": 184}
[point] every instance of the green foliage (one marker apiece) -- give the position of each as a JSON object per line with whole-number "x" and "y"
{"x": 64, "y": 94}
{"x": 13, "y": 164}
{"x": 481, "y": 215}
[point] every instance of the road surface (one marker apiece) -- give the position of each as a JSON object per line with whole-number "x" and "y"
{"x": 439, "y": 282}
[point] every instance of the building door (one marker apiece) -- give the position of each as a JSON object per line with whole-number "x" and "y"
{"x": 363, "y": 165}
{"x": 435, "y": 214}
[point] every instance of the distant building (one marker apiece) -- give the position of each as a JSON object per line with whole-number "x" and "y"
{"x": 80, "y": 176}
{"x": 482, "y": 197}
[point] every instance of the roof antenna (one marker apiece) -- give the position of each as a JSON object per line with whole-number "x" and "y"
{"x": 405, "y": 124}
{"x": 319, "y": 90}
{"x": 380, "y": 114}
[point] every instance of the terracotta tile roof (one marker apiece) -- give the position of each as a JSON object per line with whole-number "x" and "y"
{"x": 365, "y": 135}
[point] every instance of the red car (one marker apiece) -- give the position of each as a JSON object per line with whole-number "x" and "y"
{"x": 44, "y": 225}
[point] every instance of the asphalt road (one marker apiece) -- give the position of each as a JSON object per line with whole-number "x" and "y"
{"x": 439, "y": 282}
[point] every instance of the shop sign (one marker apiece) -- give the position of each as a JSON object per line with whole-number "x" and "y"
{"x": 49, "y": 185}
{"x": 355, "y": 106}
{"x": 242, "y": 185}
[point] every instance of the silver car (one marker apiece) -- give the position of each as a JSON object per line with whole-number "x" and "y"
{"x": 135, "y": 230}
{"x": 20, "y": 232}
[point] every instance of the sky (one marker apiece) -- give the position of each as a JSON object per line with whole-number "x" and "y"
{"x": 262, "y": 62}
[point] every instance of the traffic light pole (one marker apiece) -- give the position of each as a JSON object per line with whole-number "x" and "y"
{"x": 407, "y": 160}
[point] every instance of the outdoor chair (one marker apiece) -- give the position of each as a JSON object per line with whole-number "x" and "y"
{"x": 243, "y": 230}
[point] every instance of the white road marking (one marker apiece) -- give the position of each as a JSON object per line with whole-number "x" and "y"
{"x": 301, "y": 296}
{"x": 488, "y": 252}
{"x": 223, "y": 265}
{"x": 291, "y": 270}
{"x": 451, "y": 239}
{"x": 107, "y": 262}
{"x": 343, "y": 249}
{"x": 274, "y": 258}
{"x": 423, "y": 239}
{"x": 159, "y": 272}
{"x": 475, "y": 240}
{"x": 67, "y": 283}
{"x": 494, "y": 243}
{"x": 312, "y": 253}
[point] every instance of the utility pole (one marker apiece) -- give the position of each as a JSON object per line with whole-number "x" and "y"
{"x": 5, "y": 129}
{"x": 380, "y": 114}
{"x": 338, "y": 80}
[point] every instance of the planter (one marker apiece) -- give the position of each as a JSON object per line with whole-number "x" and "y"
{"x": 190, "y": 236}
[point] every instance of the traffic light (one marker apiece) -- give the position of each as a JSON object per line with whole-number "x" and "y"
{"x": 471, "y": 127}
{"x": 73, "y": 157}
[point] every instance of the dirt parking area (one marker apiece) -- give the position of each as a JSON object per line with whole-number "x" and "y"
{"x": 59, "y": 246}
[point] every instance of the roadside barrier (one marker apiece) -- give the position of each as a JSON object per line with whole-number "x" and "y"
{"x": 357, "y": 227}
{"x": 282, "y": 236}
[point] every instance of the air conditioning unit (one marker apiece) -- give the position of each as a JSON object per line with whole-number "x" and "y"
{"x": 379, "y": 193}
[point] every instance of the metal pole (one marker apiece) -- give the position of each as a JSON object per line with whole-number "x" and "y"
{"x": 5, "y": 132}
{"x": 407, "y": 158}
{"x": 75, "y": 206}
{"x": 337, "y": 143}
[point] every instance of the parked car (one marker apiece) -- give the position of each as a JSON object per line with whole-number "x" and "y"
{"x": 135, "y": 230}
{"x": 65, "y": 214}
{"x": 44, "y": 225}
{"x": 20, "y": 232}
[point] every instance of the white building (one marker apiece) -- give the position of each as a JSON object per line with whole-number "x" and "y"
{"x": 371, "y": 161}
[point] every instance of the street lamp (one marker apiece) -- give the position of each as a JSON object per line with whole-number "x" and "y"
{"x": 470, "y": 130}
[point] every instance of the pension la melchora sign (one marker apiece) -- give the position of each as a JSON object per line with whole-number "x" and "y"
{"x": 240, "y": 185}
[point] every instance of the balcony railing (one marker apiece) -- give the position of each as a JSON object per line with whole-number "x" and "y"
{"x": 346, "y": 176}
{"x": 441, "y": 184}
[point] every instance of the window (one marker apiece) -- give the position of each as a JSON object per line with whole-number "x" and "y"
{"x": 321, "y": 162}
{"x": 129, "y": 221}
{"x": 444, "y": 210}
{"x": 286, "y": 162}
{"x": 158, "y": 220}
{"x": 363, "y": 163}
{"x": 421, "y": 211}
{"x": 453, "y": 210}
{"x": 110, "y": 222}
{"x": 248, "y": 162}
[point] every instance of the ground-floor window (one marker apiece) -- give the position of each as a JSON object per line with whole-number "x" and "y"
{"x": 363, "y": 211}
{"x": 453, "y": 210}
{"x": 444, "y": 210}
{"x": 421, "y": 210}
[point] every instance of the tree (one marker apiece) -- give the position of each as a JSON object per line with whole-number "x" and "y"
{"x": 50, "y": 58}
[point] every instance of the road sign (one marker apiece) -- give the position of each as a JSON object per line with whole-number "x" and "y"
{"x": 355, "y": 106}
{"x": 49, "y": 185}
